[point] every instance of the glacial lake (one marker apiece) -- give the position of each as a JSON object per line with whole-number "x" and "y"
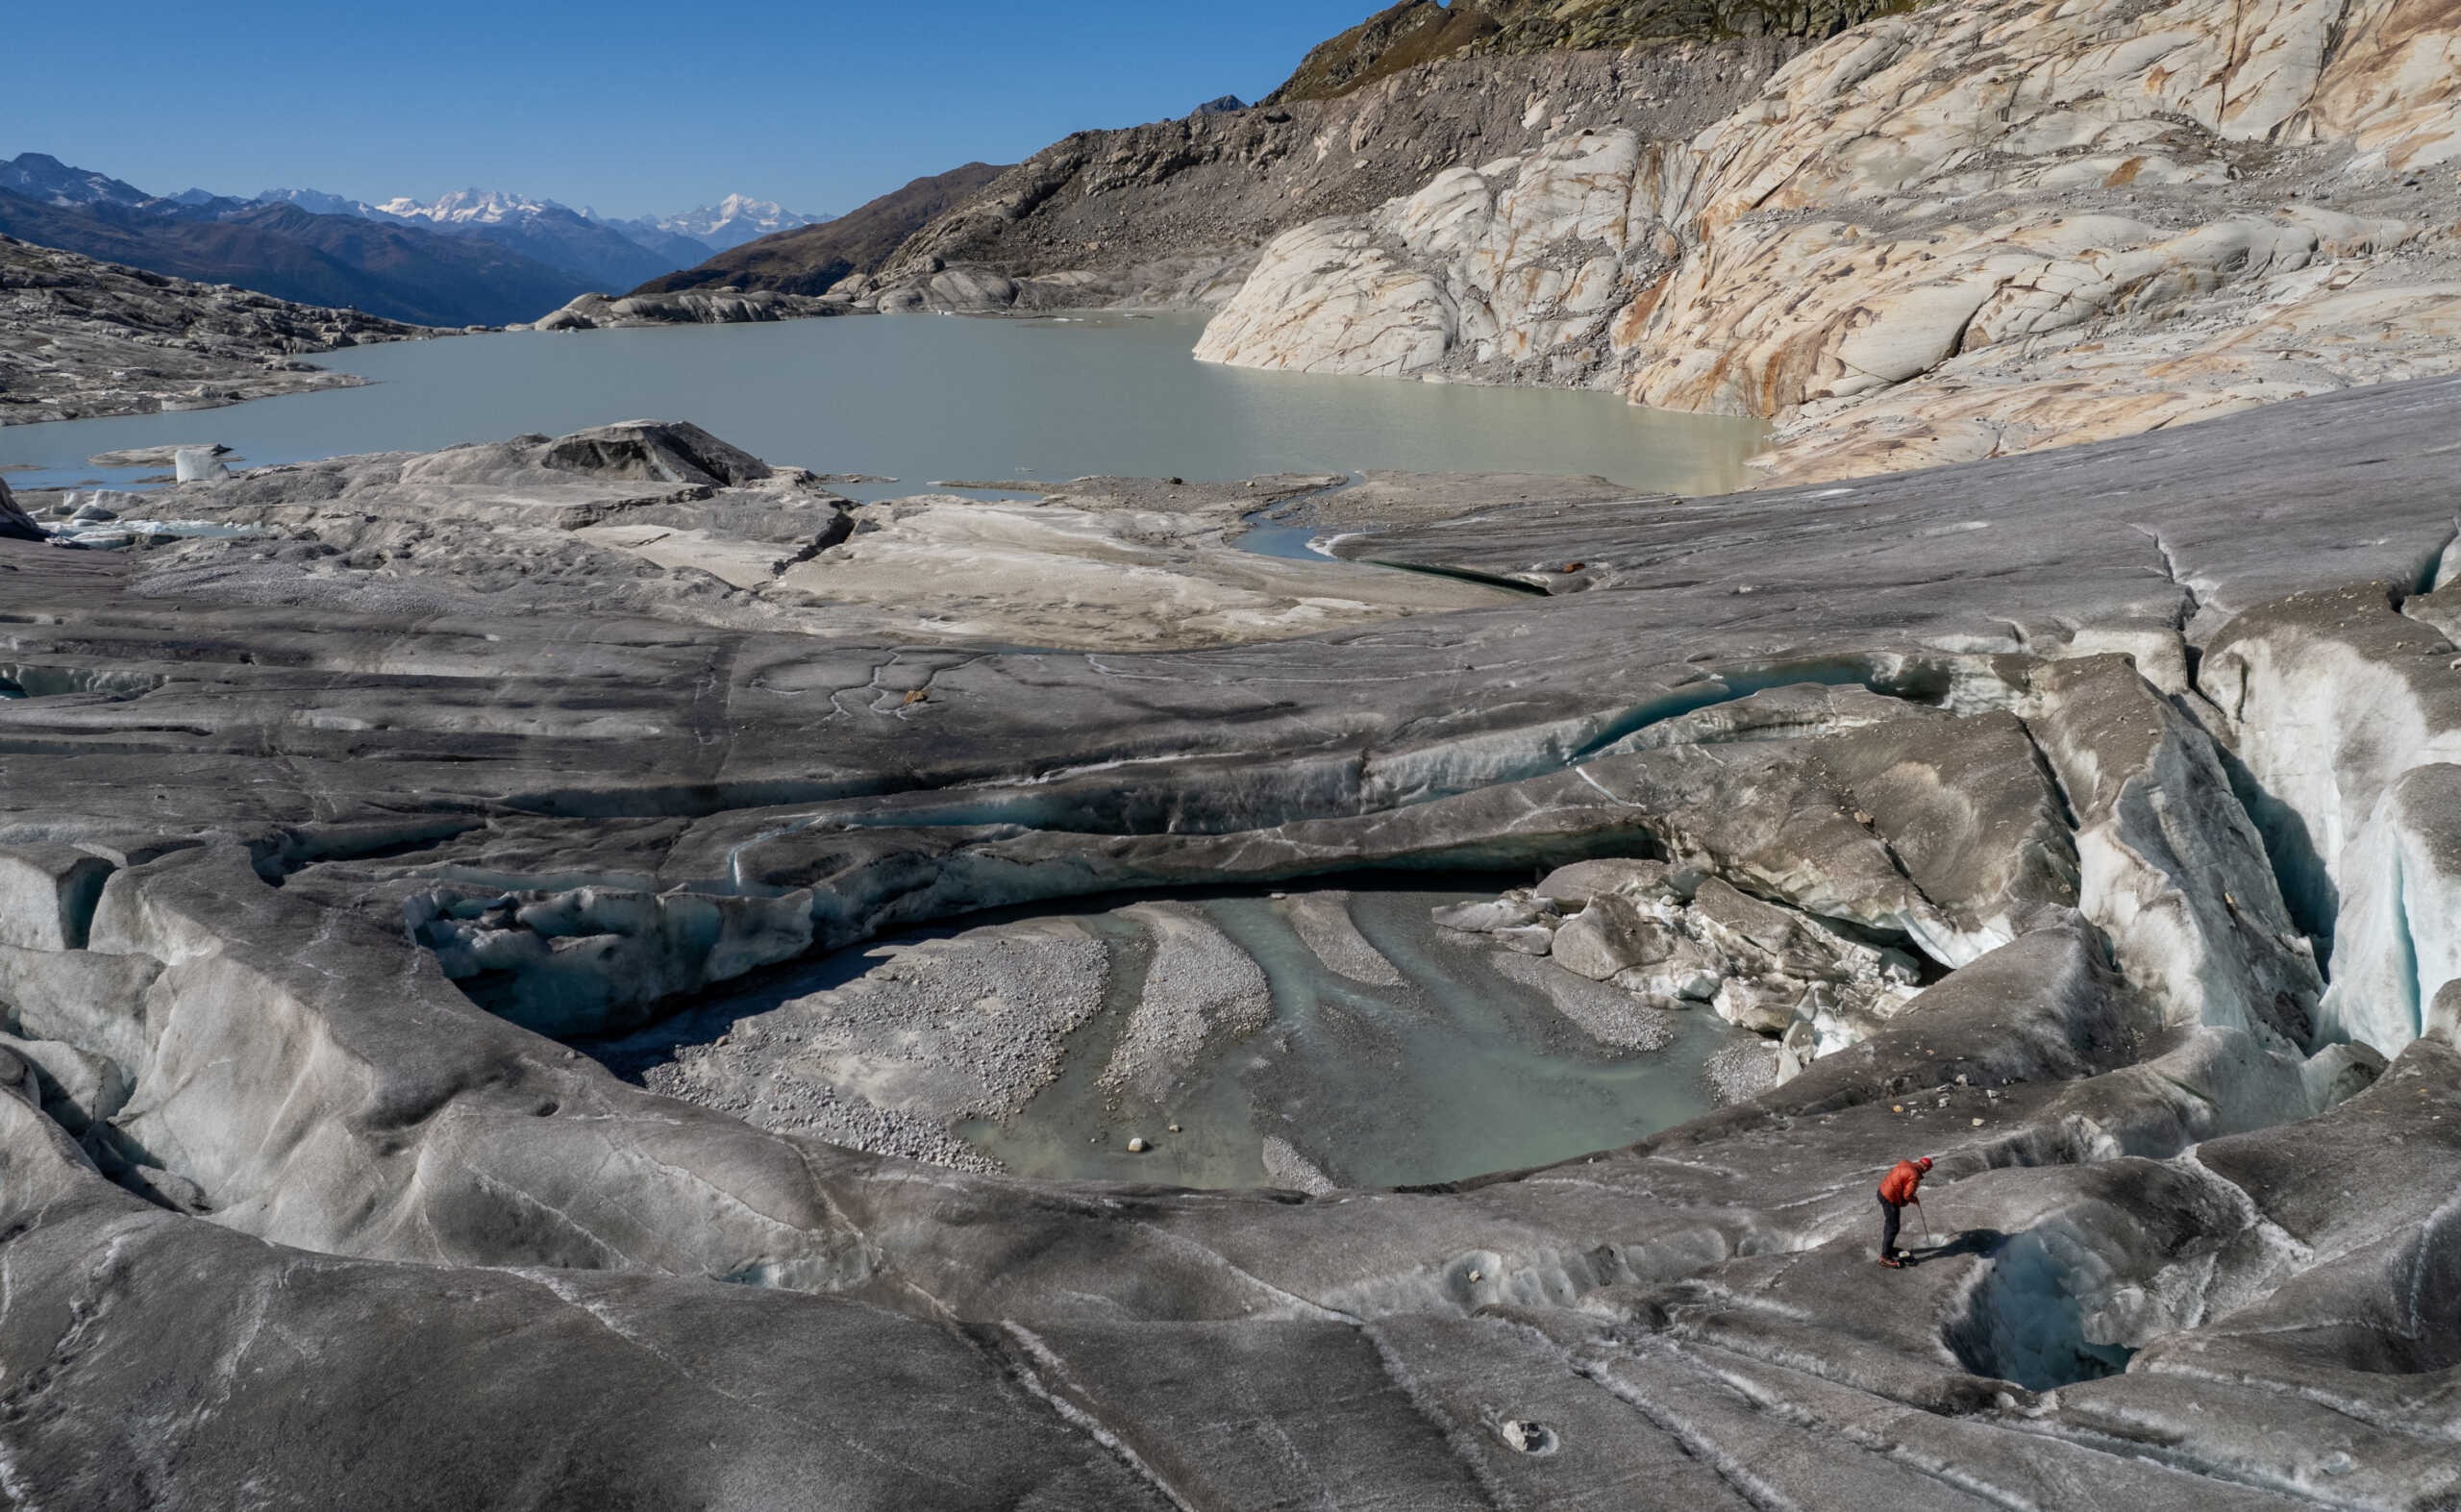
{"x": 921, "y": 398}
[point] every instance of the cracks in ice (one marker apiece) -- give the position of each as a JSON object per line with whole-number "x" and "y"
{"x": 1456, "y": 1437}
{"x": 1038, "y": 1360}
{"x": 565, "y": 1292}
{"x": 1694, "y": 1443}
{"x": 2438, "y": 567}
{"x": 1862, "y": 1433}
{"x": 2190, "y": 604}
{"x": 2167, "y": 1457}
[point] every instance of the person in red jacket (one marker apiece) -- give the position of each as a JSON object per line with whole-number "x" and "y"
{"x": 1896, "y": 1189}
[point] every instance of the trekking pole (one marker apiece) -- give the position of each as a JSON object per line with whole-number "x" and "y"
{"x": 1926, "y": 1223}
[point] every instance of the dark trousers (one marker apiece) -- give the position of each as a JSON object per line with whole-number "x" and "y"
{"x": 1890, "y": 1212}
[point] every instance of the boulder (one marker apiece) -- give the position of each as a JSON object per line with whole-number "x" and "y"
{"x": 1687, "y": 973}
{"x": 1610, "y": 936}
{"x": 1762, "y": 1004}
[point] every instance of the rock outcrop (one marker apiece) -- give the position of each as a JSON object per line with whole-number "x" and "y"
{"x": 718, "y": 306}
{"x": 80, "y": 338}
{"x": 1419, "y": 32}
{"x": 1176, "y": 212}
{"x": 1977, "y": 228}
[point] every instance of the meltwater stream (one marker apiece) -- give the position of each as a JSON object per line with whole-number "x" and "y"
{"x": 918, "y": 398}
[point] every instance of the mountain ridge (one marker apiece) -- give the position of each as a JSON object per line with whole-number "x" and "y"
{"x": 472, "y": 257}
{"x": 813, "y": 259}
{"x": 398, "y": 272}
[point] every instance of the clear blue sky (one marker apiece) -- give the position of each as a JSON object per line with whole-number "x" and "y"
{"x": 631, "y": 108}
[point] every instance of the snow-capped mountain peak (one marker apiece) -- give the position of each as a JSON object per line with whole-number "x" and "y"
{"x": 471, "y": 207}
{"x": 730, "y": 222}
{"x": 316, "y": 202}
{"x": 43, "y": 178}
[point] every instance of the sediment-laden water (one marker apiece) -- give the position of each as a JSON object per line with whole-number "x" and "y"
{"x": 1331, "y": 1037}
{"x": 919, "y": 399}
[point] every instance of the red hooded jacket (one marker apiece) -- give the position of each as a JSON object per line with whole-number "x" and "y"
{"x": 1897, "y": 1188}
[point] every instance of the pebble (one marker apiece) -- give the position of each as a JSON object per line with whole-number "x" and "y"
{"x": 1137, "y": 1145}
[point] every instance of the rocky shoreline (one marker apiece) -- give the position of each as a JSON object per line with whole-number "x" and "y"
{"x": 81, "y": 340}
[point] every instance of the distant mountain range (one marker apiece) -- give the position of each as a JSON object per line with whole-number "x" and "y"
{"x": 471, "y": 257}
{"x": 811, "y": 258}
{"x": 725, "y": 226}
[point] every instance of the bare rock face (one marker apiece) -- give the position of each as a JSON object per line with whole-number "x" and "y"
{"x": 1419, "y": 32}
{"x": 339, "y": 854}
{"x": 2159, "y": 222}
{"x": 1176, "y": 212}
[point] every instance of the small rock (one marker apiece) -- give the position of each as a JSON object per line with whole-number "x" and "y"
{"x": 1528, "y": 1438}
{"x": 1136, "y": 1146}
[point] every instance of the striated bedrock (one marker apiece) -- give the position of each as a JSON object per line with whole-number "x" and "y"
{"x": 2137, "y": 755}
{"x": 80, "y": 339}
{"x": 1176, "y": 212}
{"x": 1971, "y": 230}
